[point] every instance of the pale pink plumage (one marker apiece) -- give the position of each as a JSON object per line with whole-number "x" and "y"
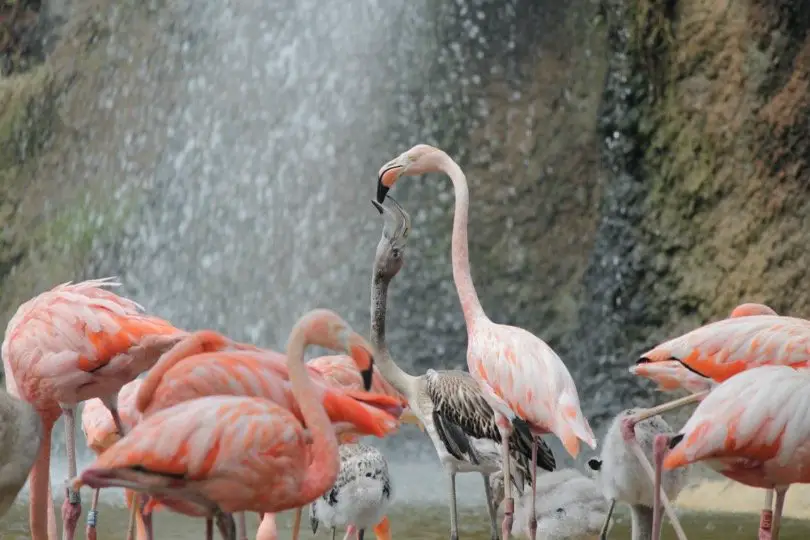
{"x": 340, "y": 371}
{"x": 97, "y": 423}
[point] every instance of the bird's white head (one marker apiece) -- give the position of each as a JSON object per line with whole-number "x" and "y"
{"x": 420, "y": 159}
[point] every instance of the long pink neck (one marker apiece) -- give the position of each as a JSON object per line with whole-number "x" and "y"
{"x": 470, "y": 304}
{"x": 323, "y": 469}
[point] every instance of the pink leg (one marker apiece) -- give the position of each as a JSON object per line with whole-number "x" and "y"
{"x": 349, "y": 531}
{"x": 146, "y": 518}
{"x": 92, "y": 517}
{"x": 630, "y": 437}
{"x": 533, "y": 511}
{"x": 241, "y": 527}
{"x": 659, "y": 449}
{"x": 777, "y": 512}
{"x": 72, "y": 507}
{"x": 505, "y": 428}
{"x": 766, "y": 517}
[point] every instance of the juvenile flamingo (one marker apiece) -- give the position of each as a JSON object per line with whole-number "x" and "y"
{"x": 624, "y": 473}
{"x": 692, "y": 370}
{"x": 101, "y": 433}
{"x": 520, "y": 375}
{"x": 20, "y": 436}
{"x": 186, "y": 372}
{"x": 754, "y": 429}
{"x": 73, "y": 343}
{"x": 225, "y": 454}
{"x": 448, "y": 403}
{"x": 360, "y": 497}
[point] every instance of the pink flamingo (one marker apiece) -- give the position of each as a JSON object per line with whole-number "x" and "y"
{"x": 752, "y": 428}
{"x": 519, "y": 374}
{"x": 699, "y": 372}
{"x": 101, "y": 433}
{"x": 73, "y": 343}
{"x": 224, "y": 454}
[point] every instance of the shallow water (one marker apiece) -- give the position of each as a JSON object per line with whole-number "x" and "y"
{"x": 409, "y": 521}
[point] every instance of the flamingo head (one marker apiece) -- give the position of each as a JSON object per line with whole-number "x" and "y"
{"x": 390, "y": 250}
{"x": 411, "y": 163}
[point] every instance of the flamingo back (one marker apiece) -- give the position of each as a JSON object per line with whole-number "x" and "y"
{"x": 758, "y": 416}
{"x": 241, "y": 453}
{"x": 528, "y": 378}
{"x": 97, "y": 422}
{"x": 79, "y": 341}
{"x": 724, "y": 348}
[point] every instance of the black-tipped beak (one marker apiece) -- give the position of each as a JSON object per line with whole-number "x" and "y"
{"x": 367, "y": 374}
{"x": 378, "y": 206}
{"x": 382, "y": 191}
{"x": 673, "y": 442}
{"x": 642, "y": 360}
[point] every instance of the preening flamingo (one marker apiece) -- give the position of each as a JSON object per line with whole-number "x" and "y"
{"x": 101, "y": 433}
{"x": 701, "y": 359}
{"x": 570, "y": 506}
{"x": 753, "y": 428}
{"x": 75, "y": 342}
{"x": 20, "y": 436}
{"x": 449, "y": 403}
{"x": 360, "y": 497}
{"x": 520, "y": 375}
{"x": 225, "y": 454}
{"x": 624, "y": 473}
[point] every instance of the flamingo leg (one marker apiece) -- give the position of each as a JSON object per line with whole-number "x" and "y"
{"x": 491, "y": 509}
{"x": 209, "y": 529}
{"x": 72, "y": 507}
{"x": 297, "y": 523}
{"x": 766, "y": 517}
{"x": 505, "y": 427}
{"x": 92, "y": 516}
{"x": 648, "y": 468}
{"x": 533, "y": 511}
{"x": 133, "y": 513}
{"x": 606, "y": 525}
{"x": 451, "y": 477}
{"x": 361, "y": 534}
{"x": 145, "y": 518}
{"x": 226, "y": 525}
{"x": 777, "y": 512}
{"x": 349, "y": 531}
{"x": 382, "y": 530}
{"x": 241, "y": 527}
{"x": 659, "y": 449}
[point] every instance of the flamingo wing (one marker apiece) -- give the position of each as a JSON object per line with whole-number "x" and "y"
{"x": 724, "y": 348}
{"x": 759, "y": 414}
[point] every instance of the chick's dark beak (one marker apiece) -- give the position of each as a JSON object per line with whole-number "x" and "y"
{"x": 367, "y": 374}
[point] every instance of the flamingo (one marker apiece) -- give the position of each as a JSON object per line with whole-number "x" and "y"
{"x": 188, "y": 372}
{"x": 623, "y": 472}
{"x": 571, "y": 507}
{"x": 699, "y": 373}
{"x": 225, "y": 454}
{"x": 101, "y": 433}
{"x": 73, "y": 343}
{"x": 754, "y": 429}
{"x": 20, "y": 436}
{"x": 449, "y": 404}
{"x": 360, "y": 497}
{"x": 519, "y": 374}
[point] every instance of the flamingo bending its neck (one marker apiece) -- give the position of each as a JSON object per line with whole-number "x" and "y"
{"x": 225, "y": 454}
{"x": 519, "y": 374}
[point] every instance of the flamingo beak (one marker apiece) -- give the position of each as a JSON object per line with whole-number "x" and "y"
{"x": 388, "y": 175}
{"x": 367, "y": 374}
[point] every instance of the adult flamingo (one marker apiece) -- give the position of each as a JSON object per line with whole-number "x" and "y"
{"x": 224, "y": 454}
{"x": 520, "y": 375}
{"x": 752, "y": 428}
{"x": 188, "y": 372}
{"x": 73, "y": 343}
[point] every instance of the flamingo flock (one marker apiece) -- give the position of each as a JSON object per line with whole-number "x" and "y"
{"x": 194, "y": 422}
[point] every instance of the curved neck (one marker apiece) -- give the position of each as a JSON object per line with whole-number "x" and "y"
{"x": 470, "y": 304}
{"x": 391, "y": 372}
{"x": 642, "y": 522}
{"x": 324, "y": 460}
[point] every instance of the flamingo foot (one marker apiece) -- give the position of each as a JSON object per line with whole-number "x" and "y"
{"x": 71, "y": 511}
{"x": 508, "y": 518}
{"x": 765, "y": 523}
{"x": 92, "y": 519}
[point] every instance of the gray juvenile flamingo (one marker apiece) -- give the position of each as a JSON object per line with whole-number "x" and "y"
{"x": 20, "y": 436}
{"x": 449, "y": 403}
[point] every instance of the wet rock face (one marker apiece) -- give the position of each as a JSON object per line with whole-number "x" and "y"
{"x": 708, "y": 192}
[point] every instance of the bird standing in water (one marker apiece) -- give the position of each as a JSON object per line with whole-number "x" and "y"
{"x": 754, "y": 429}
{"x": 519, "y": 374}
{"x": 360, "y": 497}
{"x": 73, "y": 343}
